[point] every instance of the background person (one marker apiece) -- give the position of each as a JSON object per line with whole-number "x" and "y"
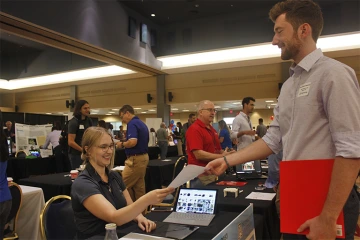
{"x": 162, "y": 140}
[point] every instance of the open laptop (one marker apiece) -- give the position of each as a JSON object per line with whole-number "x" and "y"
{"x": 249, "y": 170}
{"x": 35, "y": 153}
{"x": 194, "y": 207}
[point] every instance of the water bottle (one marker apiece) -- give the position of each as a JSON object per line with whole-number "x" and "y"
{"x": 111, "y": 232}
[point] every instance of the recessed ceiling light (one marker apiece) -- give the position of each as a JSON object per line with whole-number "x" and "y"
{"x": 185, "y": 110}
{"x": 269, "y": 101}
{"x": 237, "y": 103}
{"x": 48, "y": 113}
{"x": 65, "y": 114}
{"x": 174, "y": 109}
{"x": 143, "y": 112}
{"x": 225, "y": 109}
{"x": 94, "y": 110}
{"x": 153, "y": 15}
{"x": 152, "y": 110}
{"x": 108, "y": 114}
{"x": 217, "y": 107}
{"x": 114, "y": 109}
{"x": 137, "y": 108}
{"x": 273, "y": 104}
{"x": 111, "y": 112}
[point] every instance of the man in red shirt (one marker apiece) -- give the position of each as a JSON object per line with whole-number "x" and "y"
{"x": 202, "y": 142}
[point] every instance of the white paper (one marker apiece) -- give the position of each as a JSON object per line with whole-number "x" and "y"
{"x": 118, "y": 168}
{"x": 188, "y": 173}
{"x": 138, "y": 236}
{"x": 166, "y": 160}
{"x": 261, "y": 196}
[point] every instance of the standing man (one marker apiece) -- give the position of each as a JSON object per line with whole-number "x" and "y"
{"x": 261, "y": 128}
{"x": 76, "y": 128}
{"x": 313, "y": 119}
{"x": 136, "y": 149}
{"x": 241, "y": 127}
{"x": 162, "y": 138}
{"x": 53, "y": 137}
{"x": 191, "y": 120}
{"x": 202, "y": 142}
{"x": 9, "y": 132}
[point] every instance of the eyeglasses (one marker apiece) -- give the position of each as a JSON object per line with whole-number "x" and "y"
{"x": 122, "y": 116}
{"x": 105, "y": 147}
{"x": 210, "y": 110}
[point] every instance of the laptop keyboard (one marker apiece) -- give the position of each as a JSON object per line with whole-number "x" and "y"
{"x": 191, "y": 216}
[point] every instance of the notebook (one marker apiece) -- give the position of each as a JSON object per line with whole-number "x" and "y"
{"x": 303, "y": 191}
{"x": 194, "y": 207}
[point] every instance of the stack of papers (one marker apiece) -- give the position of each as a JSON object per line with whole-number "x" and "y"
{"x": 261, "y": 196}
{"x": 118, "y": 168}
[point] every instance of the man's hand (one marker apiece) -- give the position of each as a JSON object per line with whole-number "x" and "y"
{"x": 216, "y": 167}
{"x": 320, "y": 228}
{"x": 227, "y": 153}
{"x": 250, "y": 133}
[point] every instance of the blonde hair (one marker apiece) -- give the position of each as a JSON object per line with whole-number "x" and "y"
{"x": 91, "y": 138}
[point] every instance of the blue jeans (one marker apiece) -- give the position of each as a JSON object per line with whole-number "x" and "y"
{"x": 163, "y": 149}
{"x": 75, "y": 161}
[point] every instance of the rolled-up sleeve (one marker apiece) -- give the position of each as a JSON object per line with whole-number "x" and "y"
{"x": 235, "y": 128}
{"x": 273, "y": 135}
{"x": 341, "y": 97}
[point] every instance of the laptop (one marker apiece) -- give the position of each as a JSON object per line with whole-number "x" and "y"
{"x": 194, "y": 207}
{"x": 34, "y": 153}
{"x": 249, "y": 170}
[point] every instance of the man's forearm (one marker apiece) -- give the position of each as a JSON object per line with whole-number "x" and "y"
{"x": 75, "y": 146}
{"x": 255, "y": 151}
{"x": 343, "y": 177}
{"x": 206, "y": 156}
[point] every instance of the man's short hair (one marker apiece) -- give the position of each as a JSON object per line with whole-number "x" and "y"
{"x": 299, "y": 12}
{"x": 261, "y": 120}
{"x": 127, "y": 108}
{"x": 191, "y": 115}
{"x": 247, "y": 100}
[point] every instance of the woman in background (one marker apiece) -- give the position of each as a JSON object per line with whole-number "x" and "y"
{"x": 224, "y": 136}
{"x": 178, "y": 136}
{"x": 5, "y": 195}
{"x": 99, "y": 195}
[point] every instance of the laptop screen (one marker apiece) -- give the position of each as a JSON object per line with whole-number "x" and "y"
{"x": 196, "y": 201}
{"x": 34, "y": 153}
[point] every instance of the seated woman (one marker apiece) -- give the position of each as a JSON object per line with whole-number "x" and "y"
{"x": 99, "y": 195}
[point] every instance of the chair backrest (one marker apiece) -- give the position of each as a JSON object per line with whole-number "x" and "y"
{"x": 57, "y": 219}
{"x": 16, "y": 195}
{"x": 179, "y": 165}
{"x": 20, "y": 154}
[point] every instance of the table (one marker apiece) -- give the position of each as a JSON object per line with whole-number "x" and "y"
{"x": 265, "y": 208}
{"x": 25, "y": 167}
{"x": 221, "y": 220}
{"x": 159, "y": 173}
{"x": 52, "y": 185}
{"x": 28, "y": 223}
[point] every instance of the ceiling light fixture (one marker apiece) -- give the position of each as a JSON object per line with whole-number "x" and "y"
{"x": 269, "y": 101}
{"x": 137, "y": 108}
{"x": 48, "y": 113}
{"x": 185, "y": 110}
{"x": 237, "y": 103}
{"x": 114, "y": 109}
{"x": 225, "y": 109}
{"x": 217, "y": 107}
{"x": 174, "y": 109}
{"x": 273, "y": 104}
{"x": 72, "y": 76}
{"x": 328, "y": 43}
{"x": 143, "y": 112}
{"x": 111, "y": 112}
{"x": 153, "y": 14}
{"x": 152, "y": 110}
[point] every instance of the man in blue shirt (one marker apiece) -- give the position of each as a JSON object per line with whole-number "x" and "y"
{"x": 136, "y": 149}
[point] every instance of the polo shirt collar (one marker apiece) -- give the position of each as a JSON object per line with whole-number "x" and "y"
{"x": 92, "y": 172}
{"x": 200, "y": 123}
{"x": 307, "y": 62}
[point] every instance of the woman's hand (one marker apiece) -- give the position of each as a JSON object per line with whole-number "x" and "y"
{"x": 156, "y": 196}
{"x": 145, "y": 224}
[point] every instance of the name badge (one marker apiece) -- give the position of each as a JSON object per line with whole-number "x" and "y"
{"x": 304, "y": 89}
{"x": 81, "y": 126}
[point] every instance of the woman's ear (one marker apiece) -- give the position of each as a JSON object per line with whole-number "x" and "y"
{"x": 86, "y": 148}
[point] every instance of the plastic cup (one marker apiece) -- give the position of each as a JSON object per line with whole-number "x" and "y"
{"x": 74, "y": 174}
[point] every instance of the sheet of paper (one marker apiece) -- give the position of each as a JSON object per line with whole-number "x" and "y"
{"x": 188, "y": 173}
{"x": 138, "y": 236}
{"x": 166, "y": 160}
{"x": 261, "y": 196}
{"x": 118, "y": 168}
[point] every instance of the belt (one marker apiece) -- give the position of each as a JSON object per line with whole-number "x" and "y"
{"x": 137, "y": 154}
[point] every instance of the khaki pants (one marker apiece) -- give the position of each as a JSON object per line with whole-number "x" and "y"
{"x": 179, "y": 147}
{"x": 134, "y": 175}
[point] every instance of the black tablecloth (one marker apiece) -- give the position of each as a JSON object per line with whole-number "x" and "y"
{"x": 265, "y": 208}
{"x": 24, "y": 167}
{"x": 221, "y": 220}
{"x": 52, "y": 185}
{"x": 159, "y": 173}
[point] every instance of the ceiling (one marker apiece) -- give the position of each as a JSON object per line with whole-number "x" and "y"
{"x": 171, "y": 11}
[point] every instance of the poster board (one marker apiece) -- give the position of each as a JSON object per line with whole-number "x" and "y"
{"x": 31, "y": 137}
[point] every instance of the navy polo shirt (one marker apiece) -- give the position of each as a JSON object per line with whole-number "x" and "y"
{"x": 136, "y": 129}
{"x": 89, "y": 183}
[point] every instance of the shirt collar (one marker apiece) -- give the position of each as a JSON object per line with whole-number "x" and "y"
{"x": 307, "y": 62}
{"x": 200, "y": 123}
{"x": 244, "y": 115}
{"x": 92, "y": 172}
